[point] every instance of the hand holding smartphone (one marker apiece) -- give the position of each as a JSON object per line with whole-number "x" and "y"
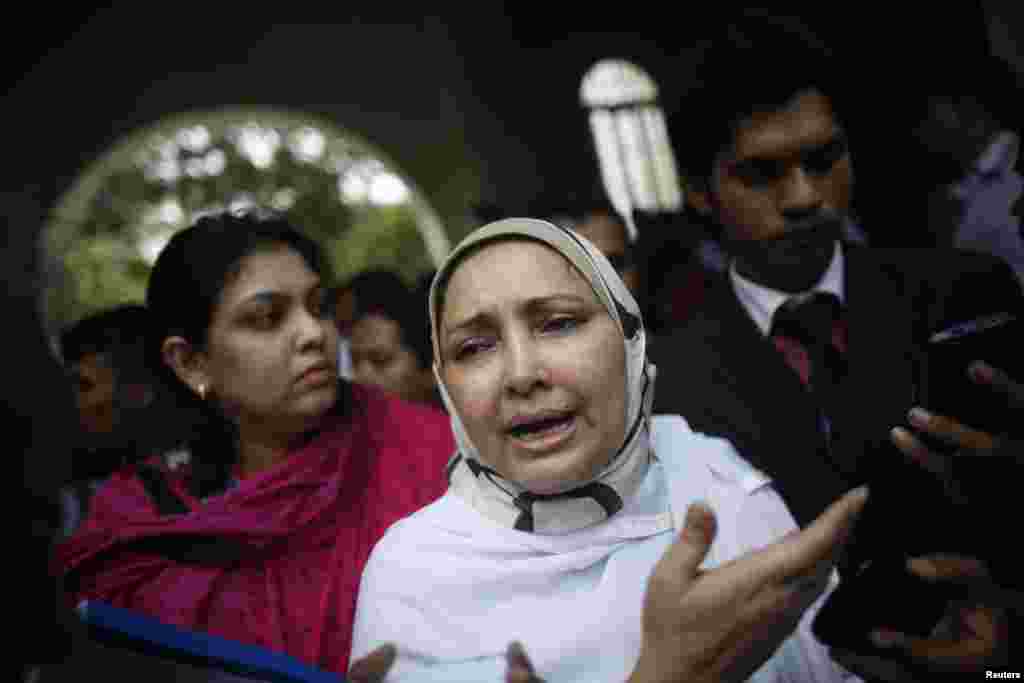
{"x": 882, "y": 593}
{"x": 944, "y": 386}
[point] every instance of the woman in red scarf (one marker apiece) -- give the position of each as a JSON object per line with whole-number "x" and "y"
{"x": 258, "y": 527}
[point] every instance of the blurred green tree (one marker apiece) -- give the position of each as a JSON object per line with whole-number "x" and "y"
{"x": 333, "y": 186}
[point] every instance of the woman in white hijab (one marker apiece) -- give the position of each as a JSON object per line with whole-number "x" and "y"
{"x": 566, "y": 500}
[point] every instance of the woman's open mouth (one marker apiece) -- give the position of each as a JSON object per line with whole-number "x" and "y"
{"x": 543, "y": 431}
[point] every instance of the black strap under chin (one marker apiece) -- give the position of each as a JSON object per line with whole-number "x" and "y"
{"x": 604, "y": 495}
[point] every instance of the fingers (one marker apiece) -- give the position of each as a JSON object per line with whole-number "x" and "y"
{"x": 971, "y": 636}
{"x": 971, "y": 573}
{"x": 685, "y": 555}
{"x": 814, "y": 549}
{"x": 941, "y": 467}
{"x": 912, "y": 447}
{"x": 373, "y": 667}
{"x": 948, "y": 567}
{"x": 520, "y": 669}
{"x": 983, "y": 373}
{"x": 786, "y": 577}
{"x": 785, "y": 602}
{"x": 941, "y": 654}
{"x": 951, "y": 431}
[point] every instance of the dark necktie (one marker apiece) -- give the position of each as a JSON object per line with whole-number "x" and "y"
{"x": 808, "y": 331}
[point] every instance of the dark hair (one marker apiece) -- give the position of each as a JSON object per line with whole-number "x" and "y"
{"x": 753, "y": 63}
{"x": 198, "y": 262}
{"x": 578, "y": 209}
{"x": 116, "y": 328}
{"x": 379, "y": 282}
{"x": 392, "y": 299}
{"x": 184, "y": 288}
{"x": 374, "y": 282}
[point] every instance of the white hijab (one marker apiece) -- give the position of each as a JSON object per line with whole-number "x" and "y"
{"x": 593, "y": 501}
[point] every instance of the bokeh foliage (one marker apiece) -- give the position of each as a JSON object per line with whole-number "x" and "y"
{"x": 333, "y": 186}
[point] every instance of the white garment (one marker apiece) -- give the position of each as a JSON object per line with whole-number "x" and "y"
{"x": 451, "y": 588}
{"x": 761, "y": 302}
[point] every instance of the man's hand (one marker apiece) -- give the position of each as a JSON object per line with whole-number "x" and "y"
{"x": 965, "y": 440}
{"x": 973, "y": 634}
{"x": 723, "y": 624}
{"x": 971, "y": 638}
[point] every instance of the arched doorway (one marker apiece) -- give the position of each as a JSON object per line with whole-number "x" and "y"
{"x": 107, "y": 229}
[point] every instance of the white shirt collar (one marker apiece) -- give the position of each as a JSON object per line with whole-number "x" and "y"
{"x": 761, "y": 302}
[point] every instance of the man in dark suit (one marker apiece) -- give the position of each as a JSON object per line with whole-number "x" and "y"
{"x": 808, "y": 393}
{"x": 766, "y": 155}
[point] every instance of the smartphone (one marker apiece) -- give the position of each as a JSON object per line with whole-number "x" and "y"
{"x": 881, "y": 593}
{"x": 944, "y": 388}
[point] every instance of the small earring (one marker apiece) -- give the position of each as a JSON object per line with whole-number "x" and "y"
{"x": 202, "y": 391}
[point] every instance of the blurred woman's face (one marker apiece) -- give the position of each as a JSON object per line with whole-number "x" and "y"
{"x": 534, "y": 365}
{"x": 270, "y": 355}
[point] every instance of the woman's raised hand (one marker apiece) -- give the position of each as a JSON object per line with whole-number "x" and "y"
{"x": 723, "y": 624}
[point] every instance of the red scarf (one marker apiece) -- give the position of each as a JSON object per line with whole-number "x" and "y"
{"x": 298, "y": 533}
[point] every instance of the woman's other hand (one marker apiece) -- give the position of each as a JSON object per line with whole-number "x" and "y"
{"x": 520, "y": 669}
{"x": 374, "y": 667}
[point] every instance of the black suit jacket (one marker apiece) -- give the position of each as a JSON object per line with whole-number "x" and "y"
{"x": 727, "y": 379}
